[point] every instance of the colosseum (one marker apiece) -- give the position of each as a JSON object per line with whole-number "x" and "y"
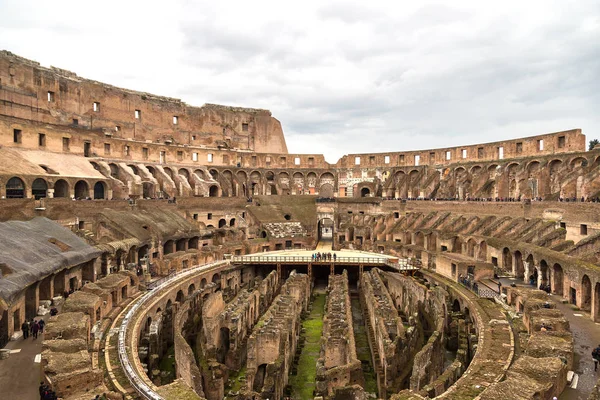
{"x": 181, "y": 252}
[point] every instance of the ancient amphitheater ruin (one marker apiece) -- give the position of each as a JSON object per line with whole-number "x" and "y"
{"x": 189, "y": 255}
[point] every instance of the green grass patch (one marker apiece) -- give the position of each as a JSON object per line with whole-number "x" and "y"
{"x": 303, "y": 383}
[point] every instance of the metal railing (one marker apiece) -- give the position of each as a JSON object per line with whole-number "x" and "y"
{"x": 136, "y": 381}
{"x": 307, "y": 259}
{"x": 400, "y": 265}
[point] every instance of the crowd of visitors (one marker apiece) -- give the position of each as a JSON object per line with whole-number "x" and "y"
{"x": 32, "y": 328}
{"x": 324, "y": 257}
{"x": 469, "y": 282}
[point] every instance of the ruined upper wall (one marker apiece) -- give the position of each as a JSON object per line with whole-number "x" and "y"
{"x": 550, "y": 143}
{"x": 52, "y": 95}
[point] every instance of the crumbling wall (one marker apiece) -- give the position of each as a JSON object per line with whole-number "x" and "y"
{"x": 338, "y": 366}
{"x": 272, "y": 344}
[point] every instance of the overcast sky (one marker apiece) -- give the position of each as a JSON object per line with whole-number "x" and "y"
{"x": 341, "y": 76}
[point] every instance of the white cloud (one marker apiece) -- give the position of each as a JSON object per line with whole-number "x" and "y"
{"x": 345, "y": 76}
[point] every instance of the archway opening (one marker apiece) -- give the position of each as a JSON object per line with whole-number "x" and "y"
{"x": 61, "y": 188}
{"x": 99, "y": 192}
{"x": 558, "y": 280}
{"x": 15, "y": 188}
{"x": 213, "y": 191}
{"x": 586, "y": 293}
{"x": 365, "y": 192}
{"x": 325, "y": 229}
{"x": 39, "y": 188}
{"x": 519, "y": 267}
{"x": 82, "y": 190}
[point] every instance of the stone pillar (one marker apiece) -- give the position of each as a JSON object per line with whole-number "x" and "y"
{"x": 527, "y": 273}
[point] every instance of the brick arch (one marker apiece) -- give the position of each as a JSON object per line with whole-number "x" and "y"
{"x": 578, "y": 161}
{"x": 533, "y": 164}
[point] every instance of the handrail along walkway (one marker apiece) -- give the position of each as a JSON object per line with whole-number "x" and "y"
{"x": 135, "y": 380}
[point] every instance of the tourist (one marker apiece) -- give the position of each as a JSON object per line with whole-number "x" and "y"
{"x": 334, "y": 257}
{"x": 43, "y": 388}
{"x": 35, "y": 329}
{"x": 596, "y": 357}
{"x": 41, "y": 323}
{"x": 25, "y": 329}
{"x": 31, "y": 323}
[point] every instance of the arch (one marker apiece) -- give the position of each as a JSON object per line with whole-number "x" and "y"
{"x": 457, "y": 245}
{"x": 61, "y": 188}
{"x": 114, "y": 170}
{"x": 191, "y": 289}
{"x": 134, "y": 168}
{"x": 147, "y": 190}
{"x": 327, "y": 177}
{"x": 419, "y": 239}
{"x": 507, "y": 259}
{"x": 169, "y": 305}
{"x": 325, "y": 229}
{"x": 232, "y": 222}
{"x": 533, "y": 167}
{"x": 365, "y": 192}
{"x": 471, "y": 247}
{"x": 15, "y": 188}
{"x": 216, "y": 278}
{"x": 39, "y": 188}
{"x": 213, "y": 191}
{"x": 180, "y": 244}
{"x": 475, "y": 169}
{"x": 99, "y": 190}
{"x": 168, "y": 247}
{"x": 270, "y": 176}
{"x": 554, "y": 165}
{"x": 82, "y": 190}
{"x": 193, "y": 242}
{"x": 482, "y": 253}
{"x": 586, "y": 293}
{"x": 169, "y": 172}
{"x": 180, "y": 296}
{"x": 185, "y": 173}
{"x": 578, "y": 162}
{"x": 519, "y": 267}
{"x": 558, "y": 279}
{"x": 259, "y": 378}
{"x": 511, "y": 168}
{"x": 200, "y": 174}
{"x": 455, "y": 306}
{"x": 203, "y": 283}
{"x": 214, "y": 173}
{"x": 544, "y": 272}
{"x": 222, "y": 223}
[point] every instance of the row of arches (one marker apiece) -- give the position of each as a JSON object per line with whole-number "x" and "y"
{"x": 16, "y": 188}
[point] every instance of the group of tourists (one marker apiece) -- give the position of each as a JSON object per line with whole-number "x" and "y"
{"x": 469, "y": 282}
{"x": 32, "y": 328}
{"x": 324, "y": 257}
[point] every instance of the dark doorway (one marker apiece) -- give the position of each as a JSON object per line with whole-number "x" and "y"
{"x": 15, "y": 189}
{"x": 99, "y": 191}
{"x": 39, "y": 188}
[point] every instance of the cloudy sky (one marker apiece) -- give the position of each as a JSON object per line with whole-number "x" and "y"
{"x": 341, "y": 76}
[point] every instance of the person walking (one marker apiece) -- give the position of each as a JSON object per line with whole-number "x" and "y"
{"x": 35, "y": 329}
{"x": 25, "y": 329}
{"x": 596, "y": 357}
{"x": 41, "y": 323}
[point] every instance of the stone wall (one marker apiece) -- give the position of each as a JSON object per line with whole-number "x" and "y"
{"x": 338, "y": 365}
{"x": 272, "y": 344}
